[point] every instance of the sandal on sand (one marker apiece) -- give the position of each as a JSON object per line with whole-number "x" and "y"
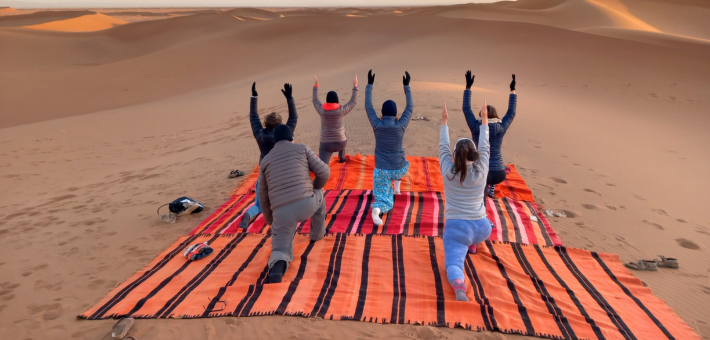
{"x": 121, "y": 328}
{"x": 667, "y": 262}
{"x": 236, "y": 173}
{"x": 642, "y": 265}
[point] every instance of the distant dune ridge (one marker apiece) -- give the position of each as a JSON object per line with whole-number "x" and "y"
{"x": 108, "y": 113}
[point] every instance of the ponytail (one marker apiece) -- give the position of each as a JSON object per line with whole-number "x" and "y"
{"x": 464, "y": 152}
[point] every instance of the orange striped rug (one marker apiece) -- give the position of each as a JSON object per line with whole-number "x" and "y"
{"x": 423, "y": 176}
{"x": 551, "y": 292}
{"x": 414, "y": 213}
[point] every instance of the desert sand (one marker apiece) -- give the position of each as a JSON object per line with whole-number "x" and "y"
{"x": 99, "y": 128}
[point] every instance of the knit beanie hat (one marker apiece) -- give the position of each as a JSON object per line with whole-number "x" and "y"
{"x": 332, "y": 97}
{"x": 389, "y": 108}
{"x": 283, "y": 132}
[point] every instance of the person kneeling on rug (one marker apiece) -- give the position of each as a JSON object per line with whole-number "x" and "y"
{"x": 464, "y": 184}
{"x": 289, "y": 196}
{"x": 264, "y": 135}
{"x": 390, "y": 163}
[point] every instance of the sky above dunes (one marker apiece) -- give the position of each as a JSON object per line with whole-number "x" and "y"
{"x": 225, "y": 3}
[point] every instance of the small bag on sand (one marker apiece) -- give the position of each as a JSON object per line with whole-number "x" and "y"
{"x": 180, "y": 206}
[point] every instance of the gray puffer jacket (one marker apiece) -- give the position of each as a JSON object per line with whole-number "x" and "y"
{"x": 285, "y": 176}
{"x": 331, "y": 121}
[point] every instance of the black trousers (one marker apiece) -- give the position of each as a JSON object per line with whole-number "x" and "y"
{"x": 495, "y": 177}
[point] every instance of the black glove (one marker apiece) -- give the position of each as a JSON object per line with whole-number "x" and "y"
{"x": 370, "y": 78}
{"x": 512, "y": 84}
{"x": 253, "y": 90}
{"x": 469, "y": 79}
{"x": 287, "y": 91}
{"x": 406, "y": 78}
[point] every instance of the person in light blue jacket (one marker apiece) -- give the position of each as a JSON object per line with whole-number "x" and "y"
{"x": 390, "y": 163}
{"x": 464, "y": 176}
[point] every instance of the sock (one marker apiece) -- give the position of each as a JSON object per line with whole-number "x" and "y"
{"x": 492, "y": 191}
{"x": 396, "y": 187}
{"x": 460, "y": 288}
{"x": 472, "y": 249}
{"x": 376, "y": 216}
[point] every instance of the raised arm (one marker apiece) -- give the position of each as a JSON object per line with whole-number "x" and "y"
{"x": 263, "y": 193}
{"x": 353, "y": 99}
{"x": 316, "y": 102}
{"x": 512, "y": 103}
{"x": 369, "y": 108}
{"x": 471, "y": 120}
{"x": 484, "y": 146}
{"x": 292, "y": 112}
{"x": 445, "y": 159}
{"x": 317, "y": 167}
{"x": 254, "y": 112}
{"x": 407, "y": 114}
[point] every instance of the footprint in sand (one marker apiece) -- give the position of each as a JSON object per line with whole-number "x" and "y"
{"x": 6, "y": 291}
{"x": 681, "y": 220}
{"x": 705, "y": 289}
{"x": 571, "y": 214}
{"x": 611, "y": 207}
{"x": 558, "y": 180}
{"x": 687, "y": 244}
{"x": 592, "y": 191}
{"x": 655, "y": 225}
{"x": 660, "y": 212}
{"x": 589, "y": 206}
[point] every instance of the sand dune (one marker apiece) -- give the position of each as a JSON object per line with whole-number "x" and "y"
{"x": 7, "y": 10}
{"x": 84, "y": 23}
{"x": 41, "y": 17}
{"x": 590, "y": 15}
{"x": 100, "y": 128}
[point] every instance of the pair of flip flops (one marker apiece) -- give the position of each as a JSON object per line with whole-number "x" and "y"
{"x": 652, "y": 265}
{"x": 236, "y": 173}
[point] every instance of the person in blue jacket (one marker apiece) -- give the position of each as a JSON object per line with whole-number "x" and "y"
{"x": 264, "y": 135}
{"x": 497, "y": 129}
{"x": 390, "y": 163}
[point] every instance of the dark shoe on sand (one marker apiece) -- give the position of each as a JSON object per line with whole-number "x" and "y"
{"x": 277, "y": 271}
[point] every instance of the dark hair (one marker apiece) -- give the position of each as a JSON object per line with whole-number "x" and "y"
{"x": 464, "y": 151}
{"x": 272, "y": 120}
{"x": 492, "y": 113}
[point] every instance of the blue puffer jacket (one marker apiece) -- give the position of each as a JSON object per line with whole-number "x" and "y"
{"x": 389, "y": 133}
{"x": 497, "y": 129}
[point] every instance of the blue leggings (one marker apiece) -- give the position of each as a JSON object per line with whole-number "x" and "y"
{"x": 256, "y": 208}
{"x": 382, "y": 187}
{"x": 458, "y": 235}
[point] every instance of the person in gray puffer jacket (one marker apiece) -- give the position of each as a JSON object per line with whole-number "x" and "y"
{"x": 332, "y": 114}
{"x": 390, "y": 162}
{"x": 289, "y": 196}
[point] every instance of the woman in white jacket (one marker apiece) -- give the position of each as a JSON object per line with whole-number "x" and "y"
{"x": 464, "y": 176}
